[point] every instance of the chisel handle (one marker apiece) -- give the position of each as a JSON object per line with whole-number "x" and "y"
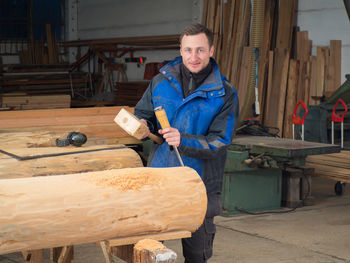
{"x": 161, "y": 117}
{"x": 164, "y": 123}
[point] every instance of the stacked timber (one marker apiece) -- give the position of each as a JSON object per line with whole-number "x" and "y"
{"x": 52, "y": 211}
{"x": 258, "y": 45}
{"x": 15, "y": 101}
{"x": 334, "y": 166}
{"x": 41, "y": 128}
{"x": 129, "y": 93}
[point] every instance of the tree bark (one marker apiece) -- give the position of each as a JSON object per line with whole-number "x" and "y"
{"x": 53, "y": 211}
{"x": 67, "y": 164}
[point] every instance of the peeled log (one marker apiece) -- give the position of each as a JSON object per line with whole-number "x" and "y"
{"x": 53, "y": 211}
{"x": 67, "y": 164}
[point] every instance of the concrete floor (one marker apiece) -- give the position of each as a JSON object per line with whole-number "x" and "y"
{"x": 317, "y": 232}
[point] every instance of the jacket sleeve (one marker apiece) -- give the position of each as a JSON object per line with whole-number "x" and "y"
{"x": 219, "y": 135}
{"x": 144, "y": 109}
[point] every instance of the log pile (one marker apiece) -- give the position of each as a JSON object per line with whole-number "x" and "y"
{"x": 258, "y": 44}
{"x": 334, "y": 166}
{"x": 52, "y": 211}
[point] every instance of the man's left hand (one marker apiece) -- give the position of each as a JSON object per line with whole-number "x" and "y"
{"x": 171, "y": 135}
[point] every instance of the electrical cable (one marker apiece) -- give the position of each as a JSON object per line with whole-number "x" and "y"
{"x": 253, "y": 127}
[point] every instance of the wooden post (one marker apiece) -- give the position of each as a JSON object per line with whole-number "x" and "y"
{"x": 33, "y": 256}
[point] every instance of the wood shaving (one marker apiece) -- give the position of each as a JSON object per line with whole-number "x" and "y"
{"x": 148, "y": 244}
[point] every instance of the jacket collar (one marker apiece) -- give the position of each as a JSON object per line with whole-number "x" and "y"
{"x": 172, "y": 70}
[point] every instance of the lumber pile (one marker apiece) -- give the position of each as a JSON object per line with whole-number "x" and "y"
{"x": 14, "y": 101}
{"x": 41, "y": 128}
{"x": 129, "y": 93}
{"x": 43, "y": 81}
{"x": 52, "y": 211}
{"x": 258, "y": 45}
{"x": 41, "y": 52}
{"x": 334, "y": 166}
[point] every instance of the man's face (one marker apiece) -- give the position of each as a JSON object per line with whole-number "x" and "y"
{"x": 195, "y": 52}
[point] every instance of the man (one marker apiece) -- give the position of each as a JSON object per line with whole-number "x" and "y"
{"x": 202, "y": 108}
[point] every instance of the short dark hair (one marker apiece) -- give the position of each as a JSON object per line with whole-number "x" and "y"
{"x": 196, "y": 29}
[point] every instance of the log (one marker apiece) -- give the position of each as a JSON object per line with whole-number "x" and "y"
{"x": 93, "y": 159}
{"x": 35, "y": 137}
{"x": 53, "y": 211}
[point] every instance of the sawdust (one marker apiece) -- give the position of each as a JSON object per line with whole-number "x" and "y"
{"x": 124, "y": 181}
{"x": 148, "y": 244}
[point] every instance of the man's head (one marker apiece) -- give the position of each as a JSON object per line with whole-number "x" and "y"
{"x": 196, "y": 47}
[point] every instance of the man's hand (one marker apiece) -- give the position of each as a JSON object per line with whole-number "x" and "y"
{"x": 171, "y": 135}
{"x": 146, "y": 134}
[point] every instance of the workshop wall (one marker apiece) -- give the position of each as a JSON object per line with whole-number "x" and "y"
{"x": 124, "y": 18}
{"x": 326, "y": 20}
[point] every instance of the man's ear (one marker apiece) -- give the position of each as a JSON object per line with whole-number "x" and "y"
{"x": 212, "y": 50}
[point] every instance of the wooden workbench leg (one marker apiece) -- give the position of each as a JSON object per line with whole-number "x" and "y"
{"x": 152, "y": 251}
{"x": 62, "y": 254}
{"x": 106, "y": 251}
{"x": 33, "y": 256}
{"x": 123, "y": 252}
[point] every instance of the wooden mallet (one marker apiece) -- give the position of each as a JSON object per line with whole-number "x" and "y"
{"x": 133, "y": 126}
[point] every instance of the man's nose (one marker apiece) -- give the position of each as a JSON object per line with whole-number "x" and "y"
{"x": 194, "y": 55}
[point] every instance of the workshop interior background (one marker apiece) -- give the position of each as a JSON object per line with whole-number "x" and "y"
{"x": 71, "y": 53}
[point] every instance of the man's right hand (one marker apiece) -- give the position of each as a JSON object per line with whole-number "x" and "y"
{"x": 146, "y": 134}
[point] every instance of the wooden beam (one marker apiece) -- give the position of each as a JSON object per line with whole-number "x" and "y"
{"x": 291, "y": 96}
{"x": 52, "y": 211}
{"x": 152, "y": 251}
{"x": 275, "y": 104}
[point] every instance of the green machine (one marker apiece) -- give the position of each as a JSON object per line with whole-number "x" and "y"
{"x": 257, "y": 168}
{"x": 318, "y": 120}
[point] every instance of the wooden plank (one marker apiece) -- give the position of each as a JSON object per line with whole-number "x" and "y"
{"x": 55, "y": 117}
{"x": 115, "y": 242}
{"x": 50, "y": 44}
{"x": 334, "y": 69}
{"x": 264, "y": 55}
{"x": 241, "y": 39}
{"x": 242, "y": 86}
{"x": 286, "y": 21}
{"x": 36, "y": 102}
{"x": 276, "y": 95}
{"x": 322, "y": 52}
{"x": 291, "y": 101}
{"x": 313, "y": 81}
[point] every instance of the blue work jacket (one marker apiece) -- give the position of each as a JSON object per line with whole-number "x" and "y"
{"x": 205, "y": 119}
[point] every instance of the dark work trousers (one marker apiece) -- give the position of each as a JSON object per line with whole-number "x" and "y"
{"x": 199, "y": 247}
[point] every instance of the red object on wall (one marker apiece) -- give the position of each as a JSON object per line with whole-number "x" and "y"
{"x": 151, "y": 70}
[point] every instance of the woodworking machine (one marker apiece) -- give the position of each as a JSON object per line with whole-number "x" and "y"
{"x": 261, "y": 173}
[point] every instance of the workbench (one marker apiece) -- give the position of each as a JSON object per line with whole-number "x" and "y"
{"x": 263, "y": 173}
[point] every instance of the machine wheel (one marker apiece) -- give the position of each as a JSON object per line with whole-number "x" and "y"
{"x": 338, "y": 188}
